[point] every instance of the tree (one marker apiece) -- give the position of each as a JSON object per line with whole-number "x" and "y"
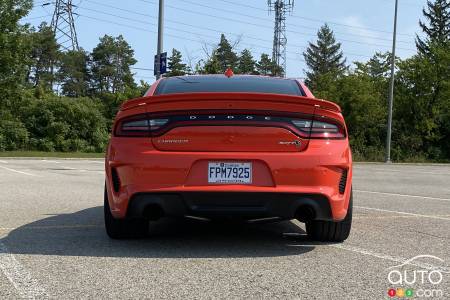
{"x": 222, "y": 58}
{"x": 377, "y": 67}
{"x": 176, "y": 65}
{"x": 73, "y": 73}
{"x": 324, "y": 57}
{"x": 111, "y": 62}
{"x": 226, "y": 57}
{"x": 247, "y": 64}
{"x": 422, "y": 105}
{"x": 14, "y": 48}
{"x": 44, "y": 55}
{"x": 265, "y": 66}
{"x": 438, "y": 29}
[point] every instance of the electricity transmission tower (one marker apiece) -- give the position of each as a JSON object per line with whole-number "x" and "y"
{"x": 280, "y": 8}
{"x": 63, "y": 24}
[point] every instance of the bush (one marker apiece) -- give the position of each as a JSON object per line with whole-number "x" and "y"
{"x": 13, "y": 134}
{"x": 65, "y": 124}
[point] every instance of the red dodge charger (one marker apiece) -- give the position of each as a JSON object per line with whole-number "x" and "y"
{"x": 229, "y": 147}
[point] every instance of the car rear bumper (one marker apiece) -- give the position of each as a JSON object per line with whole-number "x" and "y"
{"x": 177, "y": 181}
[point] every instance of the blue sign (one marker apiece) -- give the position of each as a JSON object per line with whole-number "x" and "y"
{"x": 163, "y": 63}
{"x": 160, "y": 64}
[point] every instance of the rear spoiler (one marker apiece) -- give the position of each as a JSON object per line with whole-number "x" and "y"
{"x": 279, "y": 98}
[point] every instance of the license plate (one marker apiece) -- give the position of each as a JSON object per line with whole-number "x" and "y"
{"x": 229, "y": 172}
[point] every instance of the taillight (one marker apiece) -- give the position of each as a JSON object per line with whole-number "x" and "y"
{"x": 320, "y": 129}
{"x": 138, "y": 126}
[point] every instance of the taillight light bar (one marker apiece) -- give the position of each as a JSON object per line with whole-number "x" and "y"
{"x": 320, "y": 129}
{"x": 139, "y": 126}
{"x": 305, "y": 126}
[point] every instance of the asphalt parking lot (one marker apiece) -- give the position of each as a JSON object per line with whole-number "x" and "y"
{"x": 53, "y": 244}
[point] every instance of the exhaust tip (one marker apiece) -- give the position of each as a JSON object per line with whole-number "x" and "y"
{"x": 153, "y": 212}
{"x": 305, "y": 213}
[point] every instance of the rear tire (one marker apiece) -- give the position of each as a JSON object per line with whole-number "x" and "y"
{"x": 123, "y": 228}
{"x": 329, "y": 231}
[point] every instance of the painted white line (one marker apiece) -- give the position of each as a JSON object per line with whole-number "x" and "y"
{"x": 3, "y": 161}
{"x": 96, "y": 162}
{"x": 21, "y": 279}
{"x": 51, "y": 161}
{"x": 402, "y": 213}
{"x": 53, "y": 227}
{"x": 20, "y": 172}
{"x": 362, "y": 217}
{"x": 403, "y": 195}
{"x": 406, "y": 171}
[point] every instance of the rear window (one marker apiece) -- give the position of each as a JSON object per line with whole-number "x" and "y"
{"x": 196, "y": 84}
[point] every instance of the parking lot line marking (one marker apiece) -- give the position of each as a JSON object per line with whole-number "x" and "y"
{"x": 21, "y": 279}
{"x": 412, "y": 171}
{"x": 358, "y": 217}
{"x": 403, "y": 195}
{"x": 403, "y": 213}
{"x": 53, "y": 227}
{"x": 17, "y": 171}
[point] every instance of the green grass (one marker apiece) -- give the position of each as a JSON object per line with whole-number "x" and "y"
{"x": 50, "y": 154}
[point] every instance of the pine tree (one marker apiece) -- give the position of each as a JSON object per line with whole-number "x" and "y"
{"x": 378, "y": 66}
{"x": 176, "y": 65}
{"x": 73, "y": 73}
{"x": 111, "y": 62}
{"x": 226, "y": 57}
{"x": 246, "y": 63}
{"x": 44, "y": 55}
{"x": 222, "y": 58}
{"x": 265, "y": 66}
{"x": 438, "y": 30}
{"x": 324, "y": 58}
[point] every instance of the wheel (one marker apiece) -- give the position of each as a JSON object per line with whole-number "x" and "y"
{"x": 329, "y": 231}
{"x": 123, "y": 228}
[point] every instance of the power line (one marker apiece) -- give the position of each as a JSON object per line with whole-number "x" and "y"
{"x": 198, "y": 34}
{"x": 293, "y": 16}
{"x": 34, "y": 18}
{"x": 316, "y": 20}
{"x": 168, "y": 34}
{"x": 262, "y": 26}
{"x": 233, "y": 20}
{"x": 206, "y": 28}
{"x": 195, "y": 33}
{"x": 182, "y": 37}
{"x": 171, "y": 28}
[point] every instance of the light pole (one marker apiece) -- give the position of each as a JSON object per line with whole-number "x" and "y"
{"x": 160, "y": 37}
{"x": 391, "y": 90}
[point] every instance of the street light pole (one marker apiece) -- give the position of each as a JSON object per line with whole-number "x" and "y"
{"x": 160, "y": 37}
{"x": 391, "y": 89}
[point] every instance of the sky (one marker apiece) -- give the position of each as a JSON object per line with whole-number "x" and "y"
{"x": 362, "y": 27}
